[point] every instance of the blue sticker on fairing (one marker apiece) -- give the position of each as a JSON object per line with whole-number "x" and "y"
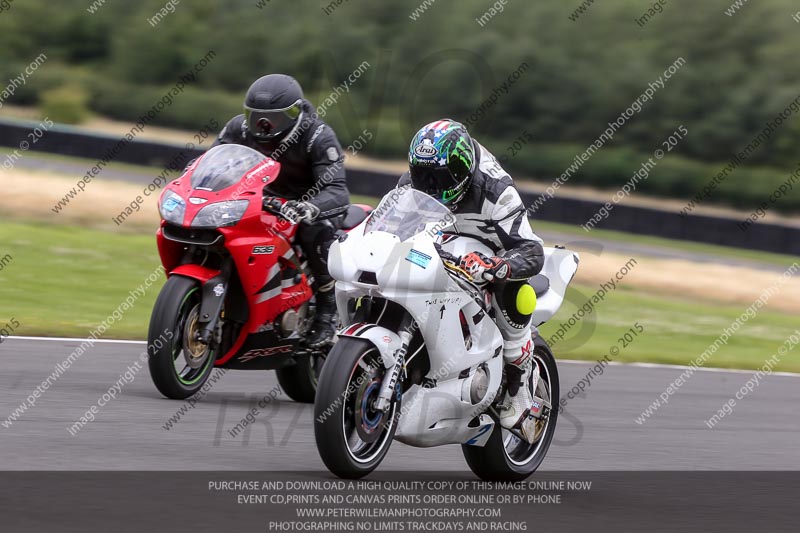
{"x": 418, "y": 258}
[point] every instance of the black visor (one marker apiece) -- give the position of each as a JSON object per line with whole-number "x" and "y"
{"x": 437, "y": 182}
{"x": 271, "y": 123}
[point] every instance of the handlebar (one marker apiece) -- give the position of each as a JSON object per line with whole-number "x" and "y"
{"x": 451, "y": 263}
{"x": 447, "y": 256}
{"x": 272, "y": 205}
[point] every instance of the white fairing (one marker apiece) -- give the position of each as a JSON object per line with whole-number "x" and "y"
{"x": 411, "y": 274}
{"x": 560, "y": 266}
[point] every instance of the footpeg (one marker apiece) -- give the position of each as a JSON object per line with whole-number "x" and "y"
{"x": 538, "y": 403}
{"x": 528, "y": 427}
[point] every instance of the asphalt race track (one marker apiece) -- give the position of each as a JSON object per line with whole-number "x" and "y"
{"x": 597, "y": 432}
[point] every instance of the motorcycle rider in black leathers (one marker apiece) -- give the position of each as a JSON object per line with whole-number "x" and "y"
{"x": 281, "y": 124}
{"x": 446, "y": 163}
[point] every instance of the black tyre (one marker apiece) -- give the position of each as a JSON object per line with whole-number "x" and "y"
{"x": 352, "y": 438}
{"x": 182, "y": 365}
{"x": 299, "y": 381}
{"x": 506, "y": 457}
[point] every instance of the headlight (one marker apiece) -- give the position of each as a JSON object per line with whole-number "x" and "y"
{"x": 220, "y": 214}
{"x": 172, "y": 208}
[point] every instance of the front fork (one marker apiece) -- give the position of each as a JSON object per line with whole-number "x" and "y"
{"x": 214, "y": 292}
{"x": 395, "y": 368}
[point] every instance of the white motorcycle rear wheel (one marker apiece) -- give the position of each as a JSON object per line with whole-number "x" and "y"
{"x": 506, "y": 457}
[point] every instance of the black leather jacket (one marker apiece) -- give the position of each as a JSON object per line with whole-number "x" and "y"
{"x": 311, "y": 158}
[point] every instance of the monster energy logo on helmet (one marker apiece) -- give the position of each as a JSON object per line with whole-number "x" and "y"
{"x": 442, "y": 160}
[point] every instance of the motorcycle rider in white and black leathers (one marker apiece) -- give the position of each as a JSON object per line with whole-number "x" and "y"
{"x": 446, "y": 163}
{"x": 283, "y": 125}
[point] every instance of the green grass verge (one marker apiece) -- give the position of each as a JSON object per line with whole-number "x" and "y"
{"x": 64, "y": 281}
{"x": 676, "y": 331}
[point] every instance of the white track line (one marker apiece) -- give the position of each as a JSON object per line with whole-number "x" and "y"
{"x": 67, "y": 339}
{"x": 560, "y": 361}
{"x": 681, "y": 367}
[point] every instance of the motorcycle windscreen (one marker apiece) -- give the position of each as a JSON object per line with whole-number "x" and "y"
{"x": 223, "y": 166}
{"x": 406, "y": 212}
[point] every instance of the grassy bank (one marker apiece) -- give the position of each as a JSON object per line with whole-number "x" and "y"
{"x": 64, "y": 281}
{"x": 676, "y": 331}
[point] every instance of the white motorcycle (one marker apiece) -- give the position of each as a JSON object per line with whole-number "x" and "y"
{"x": 421, "y": 358}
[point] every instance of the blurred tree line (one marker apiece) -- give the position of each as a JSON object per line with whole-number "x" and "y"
{"x": 739, "y": 73}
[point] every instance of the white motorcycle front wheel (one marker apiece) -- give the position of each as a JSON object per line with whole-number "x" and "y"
{"x": 506, "y": 457}
{"x": 352, "y": 436}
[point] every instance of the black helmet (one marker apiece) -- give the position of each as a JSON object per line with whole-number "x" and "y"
{"x": 273, "y": 106}
{"x": 442, "y": 160}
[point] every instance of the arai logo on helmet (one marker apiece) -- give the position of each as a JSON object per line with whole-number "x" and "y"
{"x": 425, "y": 151}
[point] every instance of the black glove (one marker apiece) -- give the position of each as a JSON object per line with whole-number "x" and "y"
{"x": 297, "y": 212}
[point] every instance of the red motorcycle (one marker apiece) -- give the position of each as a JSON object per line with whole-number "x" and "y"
{"x": 238, "y": 293}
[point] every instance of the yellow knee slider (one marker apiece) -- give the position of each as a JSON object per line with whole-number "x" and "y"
{"x": 526, "y": 300}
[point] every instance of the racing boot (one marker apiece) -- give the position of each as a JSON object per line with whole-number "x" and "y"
{"x": 517, "y": 408}
{"x": 323, "y": 328}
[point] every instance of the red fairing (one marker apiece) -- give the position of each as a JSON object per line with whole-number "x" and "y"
{"x": 258, "y": 247}
{"x": 258, "y": 244}
{"x": 200, "y": 273}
